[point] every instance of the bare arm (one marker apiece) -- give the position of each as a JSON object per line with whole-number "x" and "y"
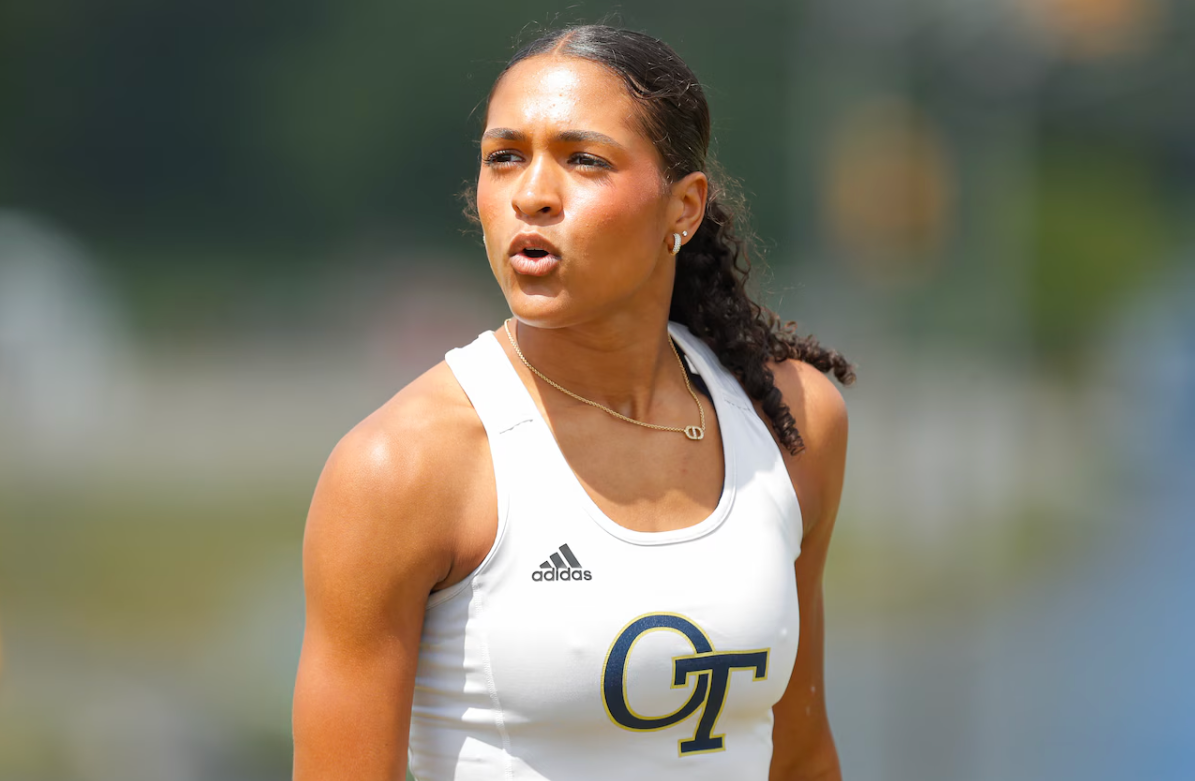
{"x": 803, "y": 746}
{"x": 381, "y": 534}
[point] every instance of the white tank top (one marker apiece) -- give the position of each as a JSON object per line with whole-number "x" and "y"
{"x": 580, "y": 649}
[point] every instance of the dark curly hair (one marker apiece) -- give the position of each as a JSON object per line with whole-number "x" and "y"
{"x": 710, "y": 294}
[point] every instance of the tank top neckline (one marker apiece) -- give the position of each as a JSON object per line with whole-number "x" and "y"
{"x": 724, "y": 409}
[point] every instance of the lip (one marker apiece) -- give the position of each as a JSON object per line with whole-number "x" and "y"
{"x": 534, "y": 267}
{"x": 529, "y": 266}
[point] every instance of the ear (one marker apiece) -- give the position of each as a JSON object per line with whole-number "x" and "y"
{"x": 688, "y": 204}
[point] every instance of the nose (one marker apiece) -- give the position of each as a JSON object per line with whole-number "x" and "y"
{"x": 538, "y": 192}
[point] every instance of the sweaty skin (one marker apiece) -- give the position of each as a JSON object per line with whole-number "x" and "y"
{"x": 406, "y": 503}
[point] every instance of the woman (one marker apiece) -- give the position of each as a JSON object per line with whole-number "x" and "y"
{"x": 567, "y": 552}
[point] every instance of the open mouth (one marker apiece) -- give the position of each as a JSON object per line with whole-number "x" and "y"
{"x": 533, "y": 255}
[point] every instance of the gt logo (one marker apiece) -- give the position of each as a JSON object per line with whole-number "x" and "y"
{"x": 711, "y": 669}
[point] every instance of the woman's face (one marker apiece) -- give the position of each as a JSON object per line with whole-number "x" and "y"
{"x": 576, "y": 215}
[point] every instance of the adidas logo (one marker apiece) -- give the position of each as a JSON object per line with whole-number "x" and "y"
{"x": 562, "y": 565}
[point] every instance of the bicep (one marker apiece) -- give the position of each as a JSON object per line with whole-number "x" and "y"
{"x": 367, "y": 572}
{"x": 352, "y": 708}
{"x": 802, "y": 745}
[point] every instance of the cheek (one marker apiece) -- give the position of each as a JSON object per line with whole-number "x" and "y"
{"x": 489, "y": 209}
{"x": 488, "y": 200}
{"x": 628, "y": 216}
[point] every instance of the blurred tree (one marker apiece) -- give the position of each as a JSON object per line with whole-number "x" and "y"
{"x": 1101, "y": 230}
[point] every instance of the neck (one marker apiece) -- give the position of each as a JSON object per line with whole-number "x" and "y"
{"x": 623, "y": 363}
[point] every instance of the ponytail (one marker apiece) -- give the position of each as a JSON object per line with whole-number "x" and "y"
{"x": 710, "y": 298}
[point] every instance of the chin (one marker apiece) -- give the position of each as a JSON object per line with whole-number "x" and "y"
{"x": 541, "y": 307}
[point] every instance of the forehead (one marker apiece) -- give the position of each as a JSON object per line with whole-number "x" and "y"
{"x": 559, "y": 93}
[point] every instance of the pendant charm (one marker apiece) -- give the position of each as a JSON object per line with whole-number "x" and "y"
{"x": 694, "y": 432}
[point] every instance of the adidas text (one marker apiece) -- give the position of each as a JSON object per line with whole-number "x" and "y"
{"x": 562, "y": 574}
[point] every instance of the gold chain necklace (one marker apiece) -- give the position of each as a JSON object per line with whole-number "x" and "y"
{"x": 692, "y": 432}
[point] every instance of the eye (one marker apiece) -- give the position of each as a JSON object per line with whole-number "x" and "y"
{"x": 500, "y": 158}
{"x": 588, "y": 161}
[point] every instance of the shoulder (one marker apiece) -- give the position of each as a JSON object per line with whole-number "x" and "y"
{"x": 820, "y": 415}
{"x": 395, "y": 486}
{"x": 815, "y": 402}
{"x": 408, "y": 442}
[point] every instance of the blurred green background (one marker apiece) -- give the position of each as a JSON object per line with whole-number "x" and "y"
{"x": 229, "y": 231}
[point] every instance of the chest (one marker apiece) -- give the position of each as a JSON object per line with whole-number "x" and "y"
{"x": 664, "y": 647}
{"x": 646, "y": 480}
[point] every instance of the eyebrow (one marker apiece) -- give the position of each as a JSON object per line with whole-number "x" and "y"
{"x": 565, "y": 136}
